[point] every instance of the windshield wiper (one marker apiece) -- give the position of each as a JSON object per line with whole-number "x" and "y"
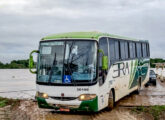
{"x": 51, "y": 71}
{"x": 69, "y": 63}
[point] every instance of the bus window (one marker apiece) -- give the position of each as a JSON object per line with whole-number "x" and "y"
{"x": 147, "y": 54}
{"x": 128, "y": 50}
{"x": 122, "y": 50}
{"x": 103, "y": 44}
{"x": 136, "y": 50}
{"x": 117, "y": 49}
{"x": 138, "y": 47}
{"x": 144, "y": 50}
{"x": 112, "y": 49}
{"x": 141, "y": 49}
{"x": 148, "y": 50}
{"x": 131, "y": 49}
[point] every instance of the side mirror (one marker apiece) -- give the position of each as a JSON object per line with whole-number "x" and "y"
{"x": 31, "y": 62}
{"x": 104, "y": 60}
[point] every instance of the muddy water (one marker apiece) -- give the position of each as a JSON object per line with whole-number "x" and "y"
{"x": 17, "y": 83}
{"x": 28, "y": 110}
{"x": 152, "y": 95}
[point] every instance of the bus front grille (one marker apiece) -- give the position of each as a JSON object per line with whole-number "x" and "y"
{"x": 64, "y": 98}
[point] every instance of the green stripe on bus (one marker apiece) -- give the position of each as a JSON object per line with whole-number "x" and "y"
{"x": 139, "y": 69}
{"x": 133, "y": 73}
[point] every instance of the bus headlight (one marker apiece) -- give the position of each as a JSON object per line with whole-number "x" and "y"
{"x": 84, "y": 97}
{"x": 42, "y": 95}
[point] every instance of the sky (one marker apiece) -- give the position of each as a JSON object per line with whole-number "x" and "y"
{"x": 24, "y": 22}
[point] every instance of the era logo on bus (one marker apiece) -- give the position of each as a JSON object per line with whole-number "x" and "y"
{"x": 120, "y": 69}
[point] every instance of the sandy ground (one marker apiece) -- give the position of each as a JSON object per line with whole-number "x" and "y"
{"x": 28, "y": 109}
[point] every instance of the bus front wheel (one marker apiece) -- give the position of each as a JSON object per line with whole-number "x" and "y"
{"x": 111, "y": 100}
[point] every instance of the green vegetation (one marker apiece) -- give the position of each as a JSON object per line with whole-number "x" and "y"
{"x": 156, "y": 60}
{"x": 5, "y": 101}
{"x": 15, "y": 64}
{"x": 155, "y": 111}
{"x": 19, "y": 64}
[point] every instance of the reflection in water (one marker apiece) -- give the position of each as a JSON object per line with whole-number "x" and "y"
{"x": 17, "y": 83}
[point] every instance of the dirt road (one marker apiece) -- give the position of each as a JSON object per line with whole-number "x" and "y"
{"x": 149, "y": 96}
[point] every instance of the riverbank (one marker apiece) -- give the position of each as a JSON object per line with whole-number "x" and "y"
{"x": 6, "y": 102}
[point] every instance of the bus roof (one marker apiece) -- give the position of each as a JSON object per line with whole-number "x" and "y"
{"x": 84, "y": 35}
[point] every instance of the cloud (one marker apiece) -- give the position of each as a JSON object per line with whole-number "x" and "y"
{"x": 24, "y": 22}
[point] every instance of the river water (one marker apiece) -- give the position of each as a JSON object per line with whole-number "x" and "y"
{"x": 17, "y": 83}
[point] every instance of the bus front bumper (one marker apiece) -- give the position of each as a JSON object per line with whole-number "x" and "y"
{"x": 89, "y": 105}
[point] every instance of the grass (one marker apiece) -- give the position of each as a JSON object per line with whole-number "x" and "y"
{"x": 155, "y": 111}
{"x": 6, "y": 101}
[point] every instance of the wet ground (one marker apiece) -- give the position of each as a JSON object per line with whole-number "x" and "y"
{"x": 151, "y": 95}
{"x": 22, "y": 86}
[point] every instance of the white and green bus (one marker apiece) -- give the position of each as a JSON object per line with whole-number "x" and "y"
{"x": 88, "y": 71}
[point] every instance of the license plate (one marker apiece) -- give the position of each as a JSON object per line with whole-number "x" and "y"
{"x": 64, "y": 109}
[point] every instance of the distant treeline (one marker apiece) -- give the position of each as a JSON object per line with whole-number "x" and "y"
{"x": 15, "y": 64}
{"x": 156, "y": 60}
{"x": 18, "y": 64}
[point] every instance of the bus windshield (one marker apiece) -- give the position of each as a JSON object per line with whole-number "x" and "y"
{"x": 67, "y": 62}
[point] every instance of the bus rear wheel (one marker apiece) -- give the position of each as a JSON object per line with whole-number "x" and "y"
{"x": 111, "y": 100}
{"x": 139, "y": 86}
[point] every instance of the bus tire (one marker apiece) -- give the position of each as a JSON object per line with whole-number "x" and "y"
{"x": 154, "y": 83}
{"x": 139, "y": 86}
{"x": 111, "y": 100}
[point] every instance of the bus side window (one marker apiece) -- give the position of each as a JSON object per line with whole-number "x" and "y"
{"x": 117, "y": 50}
{"x": 141, "y": 49}
{"x": 136, "y": 50}
{"x": 111, "y": 51}
{"x": 131, "y": 49}
{"x": 103, "y": 44}
{"x": 144, "y": 50}
{"x": 138, "y": 47}
{"x": 126, "y": 50}
{"x": 148, "y": 50}
{"x": 122, "y": 50}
